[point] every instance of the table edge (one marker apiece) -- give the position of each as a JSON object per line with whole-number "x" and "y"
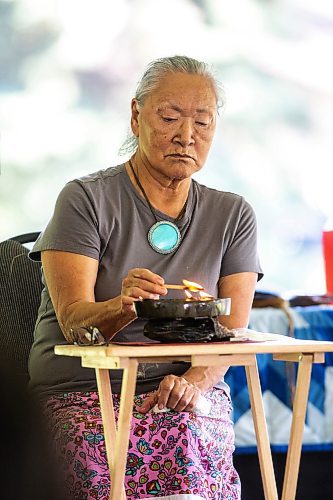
{"x": 267, "y": 347}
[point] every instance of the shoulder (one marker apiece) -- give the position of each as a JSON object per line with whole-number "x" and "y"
{"x": 219, "y": 198}
{"x": 102, "y": 179}
{"x": 103, "y": 176}
{"x": 228, "y": 209}
{"x": 96, "y": 185}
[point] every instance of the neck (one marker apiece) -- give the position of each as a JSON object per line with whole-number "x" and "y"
{"x": 167, "y": 197}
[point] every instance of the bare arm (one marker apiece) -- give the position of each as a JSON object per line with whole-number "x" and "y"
{"x": 240, "y": 288}
{"x": 182, "y": 393}
{"x": 71, "y": 282}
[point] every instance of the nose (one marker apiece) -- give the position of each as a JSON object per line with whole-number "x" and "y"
{"x": 185, "y": 132}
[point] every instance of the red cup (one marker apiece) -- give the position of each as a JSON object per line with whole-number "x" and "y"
{"x": 328, "y": 260}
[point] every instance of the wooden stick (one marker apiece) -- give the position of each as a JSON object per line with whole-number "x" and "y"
{"x": 193, "y": 288}
{"x": 176, "y": 287}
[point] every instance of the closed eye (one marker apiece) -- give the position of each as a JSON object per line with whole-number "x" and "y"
{"x": 202, "y": 124}
{"x": 168, "y": 119}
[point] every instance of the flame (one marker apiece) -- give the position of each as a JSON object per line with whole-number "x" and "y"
{"x": 202, "y": 296}
{"x": 194, "y": 287}
{"x": 205, "y": 296}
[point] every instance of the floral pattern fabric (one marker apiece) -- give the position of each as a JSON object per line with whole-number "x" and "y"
{"x": 170, "y": 453}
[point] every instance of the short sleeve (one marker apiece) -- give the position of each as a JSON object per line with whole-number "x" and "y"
{"x": 73, "y": 226}
{"x": 241, "y": 254}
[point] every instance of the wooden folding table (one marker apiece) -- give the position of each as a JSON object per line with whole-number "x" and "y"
{"x": 127, "y": 357}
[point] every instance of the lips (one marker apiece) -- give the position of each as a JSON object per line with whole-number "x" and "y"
{"x": 177, "y": 155}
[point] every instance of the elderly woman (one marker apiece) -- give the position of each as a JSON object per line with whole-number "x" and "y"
{"x": 102, "y": 251}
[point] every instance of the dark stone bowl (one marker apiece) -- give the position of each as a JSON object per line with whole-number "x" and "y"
{"x": 181, "y": 308}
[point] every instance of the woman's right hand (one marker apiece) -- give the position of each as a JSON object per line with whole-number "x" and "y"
{"x": 71, "y": 280}
{"x": 140, "y": 284}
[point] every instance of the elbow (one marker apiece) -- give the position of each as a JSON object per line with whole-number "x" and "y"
{"x": 67, "y": 330}
{"x": 66, "y": 321}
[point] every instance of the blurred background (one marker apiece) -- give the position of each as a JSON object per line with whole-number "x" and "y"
{"x": 68, "y": 70}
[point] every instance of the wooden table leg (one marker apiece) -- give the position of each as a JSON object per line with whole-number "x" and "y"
{"x": 110, "y": 430}
{"x": 260, "y": 426}
{"x": 297, "y": 426}
{"x": 124, "y": 425}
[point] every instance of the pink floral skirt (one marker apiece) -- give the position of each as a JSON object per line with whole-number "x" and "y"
{"x": 170, "y": 454}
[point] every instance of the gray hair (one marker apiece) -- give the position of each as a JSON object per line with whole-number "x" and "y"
{"x": 154, "y": 73}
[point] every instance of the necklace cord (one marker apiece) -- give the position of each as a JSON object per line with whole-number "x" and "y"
{"x": 181, "y": 213}
{"x": 142, "y": 190}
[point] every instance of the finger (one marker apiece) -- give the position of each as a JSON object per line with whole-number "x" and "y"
{"x": 190, "y": 400}
{"x": 164, "y": 391}
{"x": 184, "y": 399}
{"x": 147, "y": 275}
{"x": 176, "y": 392}
{"x": 148, "y": 403}
{"x": 145, "y": 286}
{"x": 135, "y": 293}
{"x": 147, "y": 280}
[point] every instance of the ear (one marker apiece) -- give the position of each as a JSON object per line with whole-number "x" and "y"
{"x": 135, "y": 117}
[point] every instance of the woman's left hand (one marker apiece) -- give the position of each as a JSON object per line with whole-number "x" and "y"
{"x": 182, "y": 393}
{"x": 175, "y": 393}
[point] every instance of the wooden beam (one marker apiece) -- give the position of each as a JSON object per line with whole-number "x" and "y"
{"x": 297, "y": 427}
{"x": 260, "y": 426}
{"x": 124, "y": 425}
{"x": 317, "y": 357}
{"x": 223, "y": 360}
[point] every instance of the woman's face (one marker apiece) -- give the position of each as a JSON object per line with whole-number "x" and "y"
{"x": 176, "y": 125}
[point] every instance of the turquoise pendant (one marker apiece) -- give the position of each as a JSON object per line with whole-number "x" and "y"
{"x": 164, "y": 237}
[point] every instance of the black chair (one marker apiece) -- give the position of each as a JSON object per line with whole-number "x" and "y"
{"x": 20, "y": 291}
{"x": 26, "y": 459}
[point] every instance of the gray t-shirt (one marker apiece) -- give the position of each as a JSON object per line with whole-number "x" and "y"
{"x": 102, "y": 216}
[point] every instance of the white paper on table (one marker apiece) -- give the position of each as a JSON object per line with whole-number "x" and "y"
{"x": 248, "y": 334}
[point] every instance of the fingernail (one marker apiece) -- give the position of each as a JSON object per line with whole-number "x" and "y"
{"x": 154, "y": 296}
{"x": 161, "y": 406}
